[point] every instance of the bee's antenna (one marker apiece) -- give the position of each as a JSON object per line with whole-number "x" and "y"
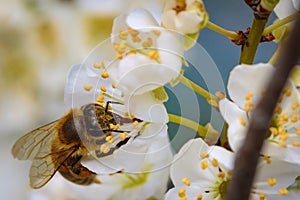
{"x": 112, "y": 102}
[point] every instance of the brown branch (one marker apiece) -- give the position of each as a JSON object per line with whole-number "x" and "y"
{"x": 248, "y": 155}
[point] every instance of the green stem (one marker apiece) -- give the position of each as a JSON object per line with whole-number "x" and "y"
{"x": 202, "y": 131}
{"x": 279, "y": 23}
{"x": 193, "y": 86}
{"x": 230, "y": 34}
{"x": 275, "y": 56}
{"x": 249, "y": 49}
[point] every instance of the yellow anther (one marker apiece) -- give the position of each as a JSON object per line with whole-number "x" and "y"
{"x": 181, "y": 192}
{"x": 132, "y": 51}
{"x": 104, "y": 148}
{"x": 287, "y": 92}
{"x": 109, "y": 139}
{"x": 117, "y": 126}
{"x": 280, "y": 99}
{"x": 123, "y": 35}
{"x": 199, "y": 197}
{"x": 278, "y": 110}
{"x": 111, "y": 126}
{"x": 103, "y": 64}
{"x": 229, "y": 172}
{"x": 263, "y": 91}
{"x": 156, "y": 32}
{"x": 180, "y": 6}
{"x": 283, "y": 191}
{"x": 267, "y": 159}
{"x": 104, "y": 74}
{"x": 272, "y": 181}
{"x": 248, "y": 106}
{"x": 281, "y": 131}
{"x": 215, "y": 162}
{"x": 282, "y": 144}
{"x": 273, "y": 130}
{"x": 153, "y": 54}
{"x": 298, "y": 131}
{"x": 119, "y": 56}
{"x": 136, "y": 39}
{"x": 295, "y": 106}
{"x": 123, "y": 136}
{"x": 186, "y": 181}
{"x": 261, "y": 196}
{"x": 133, "y": 32}
{"x": 294, "y": 118}
{"x": 135, "y": 123}
{"x": 100, "y": 99}
{"x": 204, "y": 164}
{"x": 103, "y": 88}
{"x": 284, "y": 137}
{"x": 87, "y": 87}
{"x": 113, "y": 85}
{"x": 148, "y": 43}
{"x": 204, "y": 154}
{"x": 221, "y": 174}
{"x": 97, "y": 65}
{"x": 242, "y": 121}
{"x": 296, "y": 144}
{"x": 249, "y": 96}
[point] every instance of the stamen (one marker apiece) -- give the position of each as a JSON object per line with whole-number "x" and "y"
{"x": 104, "y": 74}
{"x": 181, "y": 192}
{"x": 294, "y": 118}
{"x": 221, "y": 174}
{"x": 204, "y": 154}
{"x": 204, "y": 164}
{"x": 123, "y": 136}
{"x": 103, "y": 88}
{"x": 280, "y": 99}
{"x": 111, "y": 126}
{"x": 263, "y": 91}
{"x": 284, "y": 137}
{"x": 215, "y": 162}
{"x": 274, "y": 131}
{"x": 298, "y": 131}
{"x": 242, "y": 121}
{"x": 104, "y": 148}
{"x": 199, "y": 197}
{"x": 123, "y": 35}
{"x": 296, "y": 144}
{"x": 133, "y": 32}
{"x": 109, "y": 139}
{"x": 97, "y": 65}
{"x": 153, "y": 55}
{"x": 248, "y": 96}
{"x": 283, "y": 191}
{"x": 278, "y": 110}
{"x": 248, "y": 106}
{"x": 100, "y": 99}
{"x": 136, "y": 39}
{"x": 113, "y": 85}
{"x": 156, "y": 32}
{"x": 267, "y": 159}
{"x": 295, "y": 106}
{"x": 87, "y": 87}
{"x": 261, "y": 196}
{"x": 272, "y": 181}
{"x": 282, "y": 144}
{"x": 186, "y": 181}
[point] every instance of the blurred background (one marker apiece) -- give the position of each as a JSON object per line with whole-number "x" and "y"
{"x": 41, "y": 39}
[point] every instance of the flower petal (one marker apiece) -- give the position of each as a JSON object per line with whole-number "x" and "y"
{"x": 236, "y": 130}
{"x": 254, "y": 78}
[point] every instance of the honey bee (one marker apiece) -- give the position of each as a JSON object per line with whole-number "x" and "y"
{"x": 59, "y": 145}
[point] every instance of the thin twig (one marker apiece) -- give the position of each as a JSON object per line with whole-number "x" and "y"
{"x": 248, "y": 155}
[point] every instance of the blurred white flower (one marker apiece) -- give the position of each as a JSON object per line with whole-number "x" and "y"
{"x": 184, "y": 16}
{"x": 245, "y": 87}
{"x": 147, "y": 55}
{"x": 202, "y": 172}
{"x": 286, "y": 7}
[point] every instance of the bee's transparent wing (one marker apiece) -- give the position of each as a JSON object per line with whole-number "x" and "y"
{"x": 36, "y": 146}
{"x": 46, "y": 163}
{"x": 28, "y": 146}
